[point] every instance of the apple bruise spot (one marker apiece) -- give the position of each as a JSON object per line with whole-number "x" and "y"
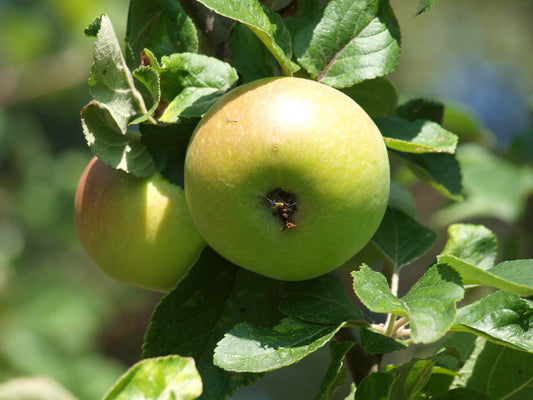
{"x": 283, "y": 205}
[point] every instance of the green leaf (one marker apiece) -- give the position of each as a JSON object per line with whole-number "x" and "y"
{"x": 429, "y": 305}
{"x": 377, "y": 96}
{"x": 424, "y": 6}
{"x": 501, "y": 317}
{"x": 475, "y": 244}
{"x": 335, "y": 376}
{"x": 401, "y": 238}
{"x": 93, "y": 28}
{"x": 111, "y": 82}
{"x": 498, "y": 371}
{"x": 214, "y": 297}
{"x": 192, "y": 83}
{"x": 375, "y": 386}
{"x": 494, "y": 187}
{"x": 168, "y": 147}
{"x": 249, "y": 348}
{"x": 244, "y": 43}
{"x": 350, "y": 42}
{"x": 419, "y": 136}
{"x": 461, "y": 394}
{"x": 322, "y": 300}
{"x": 265, "y": 23}
{"x": 374, "y": 342}
{"x": 441, "y": 171}
{"x": 411, "y": 377}
{"x": 120, "y": 150}
{"x": 161, "y": 26}
{"x": 171, "y": 377}
{"x": 512, "y": 276}
{"x": 373, "y": 290}
{"x": 147, "y": 83}
{"x": 421, "y": 109}
{"x": 464, "y": 124}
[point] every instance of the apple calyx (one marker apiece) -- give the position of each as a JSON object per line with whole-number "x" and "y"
{"x": 283, "y": 205}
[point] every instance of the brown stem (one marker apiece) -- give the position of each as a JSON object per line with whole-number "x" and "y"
{"x": 359, "y": 363}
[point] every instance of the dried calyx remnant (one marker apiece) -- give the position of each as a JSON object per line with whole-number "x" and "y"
{"x": 283, "y": 205}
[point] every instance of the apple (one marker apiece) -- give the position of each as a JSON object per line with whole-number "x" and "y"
{"x": 137, "y": 230}
{"x": 287, "y": 177}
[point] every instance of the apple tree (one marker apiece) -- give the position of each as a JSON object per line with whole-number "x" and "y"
{"x": 224, "y": 325}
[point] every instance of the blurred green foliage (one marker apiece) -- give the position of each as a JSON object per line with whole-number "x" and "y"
{"x": 59, "y": 315}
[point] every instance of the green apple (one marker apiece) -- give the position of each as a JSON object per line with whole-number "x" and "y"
{"x": 137, "y": 230}
{"x": 287, "y": 177}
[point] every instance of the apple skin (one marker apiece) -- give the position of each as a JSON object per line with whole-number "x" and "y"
{"x": 137, "y": 230}
{"x": 307, "y": 139}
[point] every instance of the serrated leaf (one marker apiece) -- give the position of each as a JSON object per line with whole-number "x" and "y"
{"x": 147, "y": 83}
{"x": 494, "y": 187}
{"x": 120, "y": 150}
{"x": 429, "y": 305}
{"x": 401, "y": 238}
{"x": 501, "y": 317}
{"x": 192, "y": 83}
{"x": 421, "y": 109}
{"x": 411, "y": 377}
{"x": 441, "y": 171}
{"x": 498, "y": 371}
{"x": 374, "y": 342}
{"x": 249, "y": 348}
{"x": 375, "y": 386}
{"x": 171, "y": 377}
{"x": 244, "y": 43}
{"x": 424, "y": 6}
{"x": 419, "y": 136}
{"x": 265, "y": 23}
{"x": 377, "y": 96}
{"x": 206, "y": 304}
{"x": 111, "y": 83}
{"x": 475, "y": 244}
{"x": 322, "y": 300}
{"x": 512, "y": 276}
{"x": 161, "y": 26}
{"x": 335, "y": 376}
{"x": 168, "y": 146}
{"x": 373, "y": 290}
{"x": 350, "y": 42}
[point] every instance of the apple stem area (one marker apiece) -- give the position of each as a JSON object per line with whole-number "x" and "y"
{"x": 283, "y": 206}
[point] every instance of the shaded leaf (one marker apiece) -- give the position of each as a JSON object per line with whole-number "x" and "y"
{"x": 374, "y": 342}
{"x": 249, "y": 348}
{"x": 419, "y": 136}
{"x": 441, "y": 171}
{"x": 498, "y": 371}
{"x": 500, "y": 317}
{"x": 322, "y": 300}
{"x": 421, "y": 109}
{"x": 159, "y": 378}
{"x": 375, "y": 386}
{"x": 377, "y": 96}
{"x": 411, "y": 377}
{"x": 401, "y": 238}
{"x": 461, "y": 394}
{"x": 161, "y": 26}
{"x": 265, "y": 23}
{"x": 335, "y": 376}
{"x": 120, "y": 150}
{"x": 147, "y": 83}
{"x": 475, "y": 244}
{"x": 214, "y": 297}
{"x": 244, "y": 43}
{"x": 429, "y": 305}
{"x": 351, "y": 41}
